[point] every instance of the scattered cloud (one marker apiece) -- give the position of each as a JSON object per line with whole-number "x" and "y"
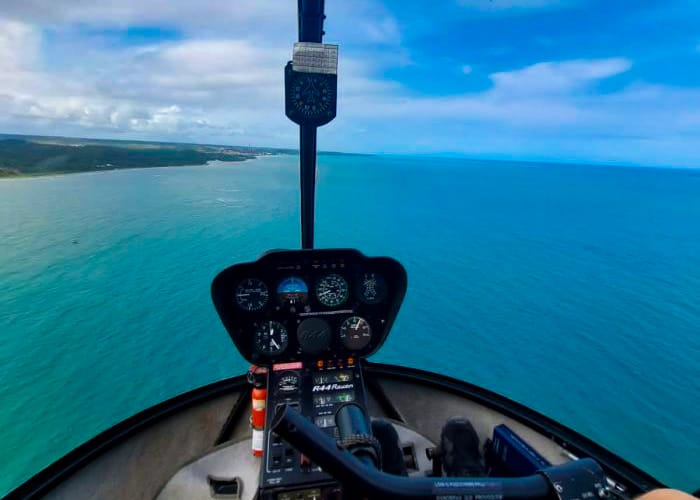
{"x": 543, "y": 94}
{"x": 203, "y": 89}
{"x": 225, "y": 86}
{"x": 222, "y": 81}
{"x": 545, "y": 107}
{"x": 555, "y": 77}
{"x": 384, "y": 31}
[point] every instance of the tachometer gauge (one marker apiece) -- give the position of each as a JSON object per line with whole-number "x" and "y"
{"x": 293, "y": 291}
{"x": 372, "y": 288}
{"x": 270, "y": 337}
{"x": 332, "y": 290}
{"x": 355, "y": 333}
{"x": 251, "y": 294}
{"x": 289, "y": 383}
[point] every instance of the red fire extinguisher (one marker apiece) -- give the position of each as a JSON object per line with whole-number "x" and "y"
{"x": 257, "y": 376}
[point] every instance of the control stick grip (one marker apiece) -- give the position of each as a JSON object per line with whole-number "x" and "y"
{"x": 301, "y": 433}
{"x": 355, "y": 435}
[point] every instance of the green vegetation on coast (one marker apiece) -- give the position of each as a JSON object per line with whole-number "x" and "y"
{"x": 29, "y": 155}
{"x": 23, "y": 155}
{"x": 9, "y": 172}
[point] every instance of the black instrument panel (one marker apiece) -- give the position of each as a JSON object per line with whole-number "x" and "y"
{"x": 299, "y": 304}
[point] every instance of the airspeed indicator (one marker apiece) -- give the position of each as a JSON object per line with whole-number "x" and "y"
{"x": 251, "y": 294}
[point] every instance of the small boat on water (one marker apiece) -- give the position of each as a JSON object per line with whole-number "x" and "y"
{"x": 313, "y": 419}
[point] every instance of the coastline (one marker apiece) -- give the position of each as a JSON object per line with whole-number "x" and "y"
{"x": 21, "y": 175}
{"x": 33, "y": 156}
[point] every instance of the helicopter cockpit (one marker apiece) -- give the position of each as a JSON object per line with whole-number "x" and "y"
{"x": 307, "y": 319}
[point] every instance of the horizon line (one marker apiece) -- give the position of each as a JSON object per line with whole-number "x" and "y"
{"x": 443, "y": 155}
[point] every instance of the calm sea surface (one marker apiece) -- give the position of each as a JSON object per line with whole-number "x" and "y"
{"x": 572, "y": 289}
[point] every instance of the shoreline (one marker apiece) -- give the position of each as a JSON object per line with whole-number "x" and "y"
{"x": 109, "y": 170}
{"x": 39, "y": 156}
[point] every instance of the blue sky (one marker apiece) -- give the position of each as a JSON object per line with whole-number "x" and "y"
{"x": 561, "y": 80}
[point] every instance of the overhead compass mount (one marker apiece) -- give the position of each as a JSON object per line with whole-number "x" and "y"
{"x": 311, "y": 92}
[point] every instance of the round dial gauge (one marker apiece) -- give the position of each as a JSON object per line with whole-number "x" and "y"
{"x": 372, "y": 288}
{"x": 293, "y": 291}
{"x": 312, "y": 96}
{"x": 270, "y": 337}
{"x": 355, "y": 333}
{"x": 332, "y": 290}
{"x": 251, "y": 294}
{"x": 289, "y": 383}
{"x": 314, "y": 335}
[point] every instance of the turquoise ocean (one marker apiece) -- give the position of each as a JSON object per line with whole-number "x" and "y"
{"x": 574, "y": 289}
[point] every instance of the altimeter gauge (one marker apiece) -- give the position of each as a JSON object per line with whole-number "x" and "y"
{"x": 332, "y": 290}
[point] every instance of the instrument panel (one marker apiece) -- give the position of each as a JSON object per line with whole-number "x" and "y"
{"x": 296, "y": 304}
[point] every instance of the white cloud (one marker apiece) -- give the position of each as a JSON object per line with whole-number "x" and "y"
{"x": 220, "y": 65}
{"x": 549, "y": 110}
{"x": 19, "y": 46}
{"x": 204, "y": 89}
{"x": 551, "y": 77}
{"x": 542, "y": 94}
{"x": 365, "y": 22}
{"x": 225, "y": 77}
{"x": 382, "y": 31}
{"x": 32, "y": 97}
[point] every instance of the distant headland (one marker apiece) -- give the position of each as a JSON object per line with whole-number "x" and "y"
{"x": 24, "y": 155}
{"x": 41, "y": 155}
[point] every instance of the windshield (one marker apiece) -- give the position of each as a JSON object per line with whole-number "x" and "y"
{"x": 531, "y": 163}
